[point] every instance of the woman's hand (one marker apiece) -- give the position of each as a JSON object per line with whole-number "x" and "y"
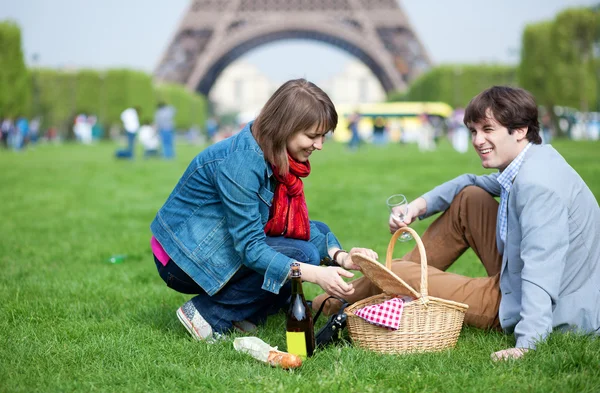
{"x": 346, "y": 258}
{"x": 328, "y": 278}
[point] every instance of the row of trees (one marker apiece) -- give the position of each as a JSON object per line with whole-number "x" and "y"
{"x": 456, "y": 84}
{"x": 560, "y": 65}
{"x": 58, "y": 96}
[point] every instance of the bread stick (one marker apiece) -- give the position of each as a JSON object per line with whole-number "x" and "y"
{"x": 284, "y": 360}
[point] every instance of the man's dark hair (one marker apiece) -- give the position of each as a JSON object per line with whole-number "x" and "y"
{"x": 512, "y": 107}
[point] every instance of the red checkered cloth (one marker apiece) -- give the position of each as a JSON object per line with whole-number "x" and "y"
{"x": 386, "y": 314}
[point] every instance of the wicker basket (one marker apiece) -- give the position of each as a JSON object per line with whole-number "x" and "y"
{"x": 427, "y": 324}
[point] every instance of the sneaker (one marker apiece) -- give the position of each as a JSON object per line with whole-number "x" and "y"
{"x": 194, "y": 322}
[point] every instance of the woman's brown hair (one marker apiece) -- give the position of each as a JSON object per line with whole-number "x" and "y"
{"x": 296, "y": 106}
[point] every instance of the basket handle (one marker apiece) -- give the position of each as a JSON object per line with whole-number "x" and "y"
{"x": 388, "y": 260}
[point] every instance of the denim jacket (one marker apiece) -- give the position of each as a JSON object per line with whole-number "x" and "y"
{"x": 213, "y": 221}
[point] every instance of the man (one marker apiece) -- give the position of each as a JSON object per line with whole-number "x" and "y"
{"x": 539, "y": 245}
{"x": 165, "y": 123}
{"x": 353, "y": 127}
{"x": 131, "y": 122}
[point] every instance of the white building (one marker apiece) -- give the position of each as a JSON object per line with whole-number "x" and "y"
{"x": 241, "y": 88}
{"x": 355, "y": 84}
{"x": 244, "y": 89}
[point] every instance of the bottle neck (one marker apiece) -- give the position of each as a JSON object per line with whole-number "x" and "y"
{"x": 297, "y": 285}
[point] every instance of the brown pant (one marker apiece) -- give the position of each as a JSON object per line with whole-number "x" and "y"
{"x": 470, "y": 221}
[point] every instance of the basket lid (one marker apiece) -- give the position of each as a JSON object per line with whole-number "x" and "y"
{"x": 381, "y": 276}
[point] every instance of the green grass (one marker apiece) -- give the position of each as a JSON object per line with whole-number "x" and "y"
{"x": 70, "y": 321}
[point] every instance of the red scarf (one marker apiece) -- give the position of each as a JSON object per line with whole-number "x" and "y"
{"x": 289, "y": 213}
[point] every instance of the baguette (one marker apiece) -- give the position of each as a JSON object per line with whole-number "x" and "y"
{"x": 284, "y": 360}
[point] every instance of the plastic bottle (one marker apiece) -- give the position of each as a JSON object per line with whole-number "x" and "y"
{"x": 116, "y": 259}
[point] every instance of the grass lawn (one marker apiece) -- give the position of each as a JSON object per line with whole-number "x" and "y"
{"x": 71, "y": 321}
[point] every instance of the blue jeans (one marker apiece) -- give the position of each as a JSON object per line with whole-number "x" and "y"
{"x": 166, "y": 137}
{"x": 131, "y": 142}
{"x": 242, "y": 298}
{"x": 379, "y": 138}
{"x": 355, "y": 139}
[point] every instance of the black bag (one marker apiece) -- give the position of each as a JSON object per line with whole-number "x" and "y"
{"x": 331, "y": 333}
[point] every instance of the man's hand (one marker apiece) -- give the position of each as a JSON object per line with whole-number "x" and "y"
{"x": 414, "y": 209}
{"x": 510, "y": 353}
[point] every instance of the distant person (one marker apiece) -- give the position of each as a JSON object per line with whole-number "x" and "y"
{"x": 238, "y": 219}
{"x": 97, "y": 129}
{"x": 34, "y": 130}
{"x": 149, "y": 140}
{"x": 460, "y": 139}
{"x": 593, "y": 126}
{"x": 459, "y": 134}
{"x": 164, "y": 121}
{"x": 355, "y": 141}
{"x": 21, "y": 133}
{"x": 193, "y": 136}
{"x": 6, "y": 129}
{"x": 546, "y": 125}
{"x": 539, "y": 246}
{"x": 426, "y": 141}
{"x": 51, "y": 134}
{"x": 379, "y": 131}
{"x": 212, "y": 128}
{"x": 83, "y": 129}
{"x": 131, "y": 124}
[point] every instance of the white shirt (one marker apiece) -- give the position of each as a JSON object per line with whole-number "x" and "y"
{"x": 149, "y": 138}
{"x": 130, "y": 120}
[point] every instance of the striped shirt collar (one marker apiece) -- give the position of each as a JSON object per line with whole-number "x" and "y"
{"x": 508, "y": 175}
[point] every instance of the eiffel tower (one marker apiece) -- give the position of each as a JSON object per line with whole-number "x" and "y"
{"x": 214, "y": 33}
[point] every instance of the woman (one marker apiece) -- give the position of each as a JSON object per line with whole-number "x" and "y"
{"x": 237, "y": 219}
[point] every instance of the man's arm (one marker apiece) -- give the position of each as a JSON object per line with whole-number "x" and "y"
{"x": 440, "y": 198}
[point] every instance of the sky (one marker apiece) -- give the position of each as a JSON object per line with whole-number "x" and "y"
{"x": 134, "y": 33}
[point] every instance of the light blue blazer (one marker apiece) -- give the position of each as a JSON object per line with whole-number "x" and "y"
{"x": 550, "y": 276}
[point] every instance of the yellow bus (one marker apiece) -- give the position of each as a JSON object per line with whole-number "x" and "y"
{"x": 401, "y": 118}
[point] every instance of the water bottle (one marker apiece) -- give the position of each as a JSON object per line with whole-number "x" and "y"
{"x": 116, "y": 259}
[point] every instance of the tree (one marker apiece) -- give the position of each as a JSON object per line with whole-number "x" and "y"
{"x": 15, "y": 83}
{"x": 456, "y": 84}
{"x": 57, "y": 94}
{"x": 573, "y": 36}
{"x": 127, "y": 88}
{"x": 89, "y": 92}
{"x": 536, "y": 70}
{"x": 558, "y": 61}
